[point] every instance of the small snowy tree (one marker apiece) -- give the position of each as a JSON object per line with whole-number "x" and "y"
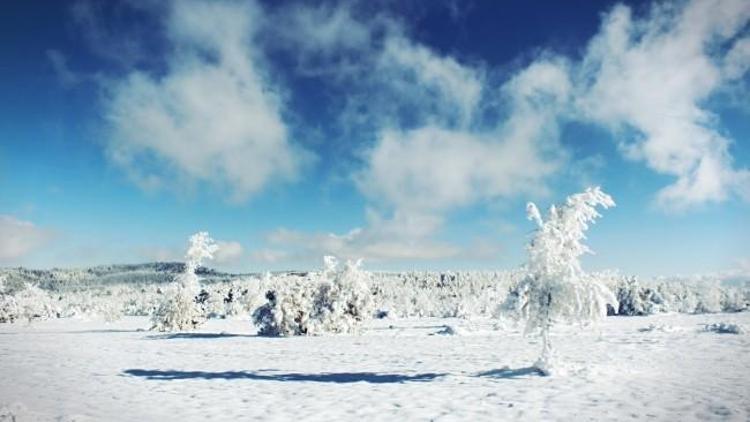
{"x": 555, "y": 287}
{"x": 181, "y": 307}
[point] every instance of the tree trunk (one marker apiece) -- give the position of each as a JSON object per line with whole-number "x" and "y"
{"x": 544, "y": 363}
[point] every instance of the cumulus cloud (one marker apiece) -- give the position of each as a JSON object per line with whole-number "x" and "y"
{"x": 649, "y": 79}
{"x": 212, "y": 117}
{"x": 19, "y": 238}
{"x": 431, "y": 170}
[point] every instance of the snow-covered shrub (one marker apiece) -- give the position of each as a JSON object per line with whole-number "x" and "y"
{"x": 723, "y": 328}
{"x": 333, "y": 301}
{"x": 9, "y": 310}
{"x": 183, "y": 304}
{"x": 287, "y": 310}
{"x": 8, "y": 306}
{"x": 636, "y": 300}
{"x": 442, "y": 295}
{"x": 555, "y": 287}
{"x": 344, "y": 300}
{"x": 35, "y": 303}
{"x": 734, "y": 300}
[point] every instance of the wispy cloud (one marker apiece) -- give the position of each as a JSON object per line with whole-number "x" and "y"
{"x": 648, "y": 79}
{"x": 59, "y": 64}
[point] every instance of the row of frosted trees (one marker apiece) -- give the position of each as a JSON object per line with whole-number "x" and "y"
{"x": 554, "y": 287}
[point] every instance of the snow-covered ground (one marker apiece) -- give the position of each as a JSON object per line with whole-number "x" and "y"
{"x": 661, "y": 367}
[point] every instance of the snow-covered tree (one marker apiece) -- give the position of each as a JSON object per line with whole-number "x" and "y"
{"x": 555, "y": 287}
{"x": 181, "y": 307}
{"x": 8, "y": 307}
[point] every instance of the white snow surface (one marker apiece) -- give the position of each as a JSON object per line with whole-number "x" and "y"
{"x": 397, "y": 369}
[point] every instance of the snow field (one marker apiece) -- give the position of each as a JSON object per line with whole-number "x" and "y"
{"x": 68, "y": 369}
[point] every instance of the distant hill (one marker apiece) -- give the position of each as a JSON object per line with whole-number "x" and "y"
{"x": 147, "y": 273}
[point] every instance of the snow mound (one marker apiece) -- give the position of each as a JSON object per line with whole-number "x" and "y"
{"x": 14, "y": 412}
{"x": 723, "y": 328}
{"x": 664, "y": 328}
{"x": 450, "y": 330}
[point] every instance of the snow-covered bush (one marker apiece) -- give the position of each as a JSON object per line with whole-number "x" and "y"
{"x": 692, "y": 295}
{"x": 9, "y": 311}
{"x": 332, "y": 301}
{"x": 183, "y": 304}
{"x": 34, "y": 303}
{"x": 636, "y": 300}
{"x": 555, "y": 287}
{"x": 287, "y": 310}
{"x": 442, "y": 294}
{"x": 345, "y": 300}
{"x": 734, "y": 300}
{"x": 8, "y": 305}
{"x": 723, "y": 328}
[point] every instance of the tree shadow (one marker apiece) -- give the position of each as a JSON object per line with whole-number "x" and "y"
{"x": 101, "y": 331}
{"x": 342, "y": 377}
{"x": 509, "y": 373}
{"x": 107, "y": 331}
{"x": 176, "y": 336}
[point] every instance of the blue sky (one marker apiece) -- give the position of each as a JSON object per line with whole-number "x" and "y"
{"x": 407, "y": 133}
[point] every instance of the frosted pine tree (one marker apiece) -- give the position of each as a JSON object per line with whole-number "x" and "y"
{"x": 555, "y": 287}
{"x": 179, "y": 310}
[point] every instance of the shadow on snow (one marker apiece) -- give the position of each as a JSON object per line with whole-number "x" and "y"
{"x": 343, "y": 377}
{"x": 507, "y": 372}
{"x": 176, "y": 336}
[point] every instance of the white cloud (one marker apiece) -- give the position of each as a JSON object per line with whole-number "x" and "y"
{"x": 268, "y": 256}
{"x": 19, "y": 238}
{"x": 160, "y": 254}
{"x": 228, "y": 252}
{"x": 447, "y": 89}
{"x": 400, "y": 238}
{"x": 432, "y": 170}
{"x": 652, "y": 77}
{"x": 212, "y": 117}
{"x": 324, "y": 29}
{"x": 737, "y": 60}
